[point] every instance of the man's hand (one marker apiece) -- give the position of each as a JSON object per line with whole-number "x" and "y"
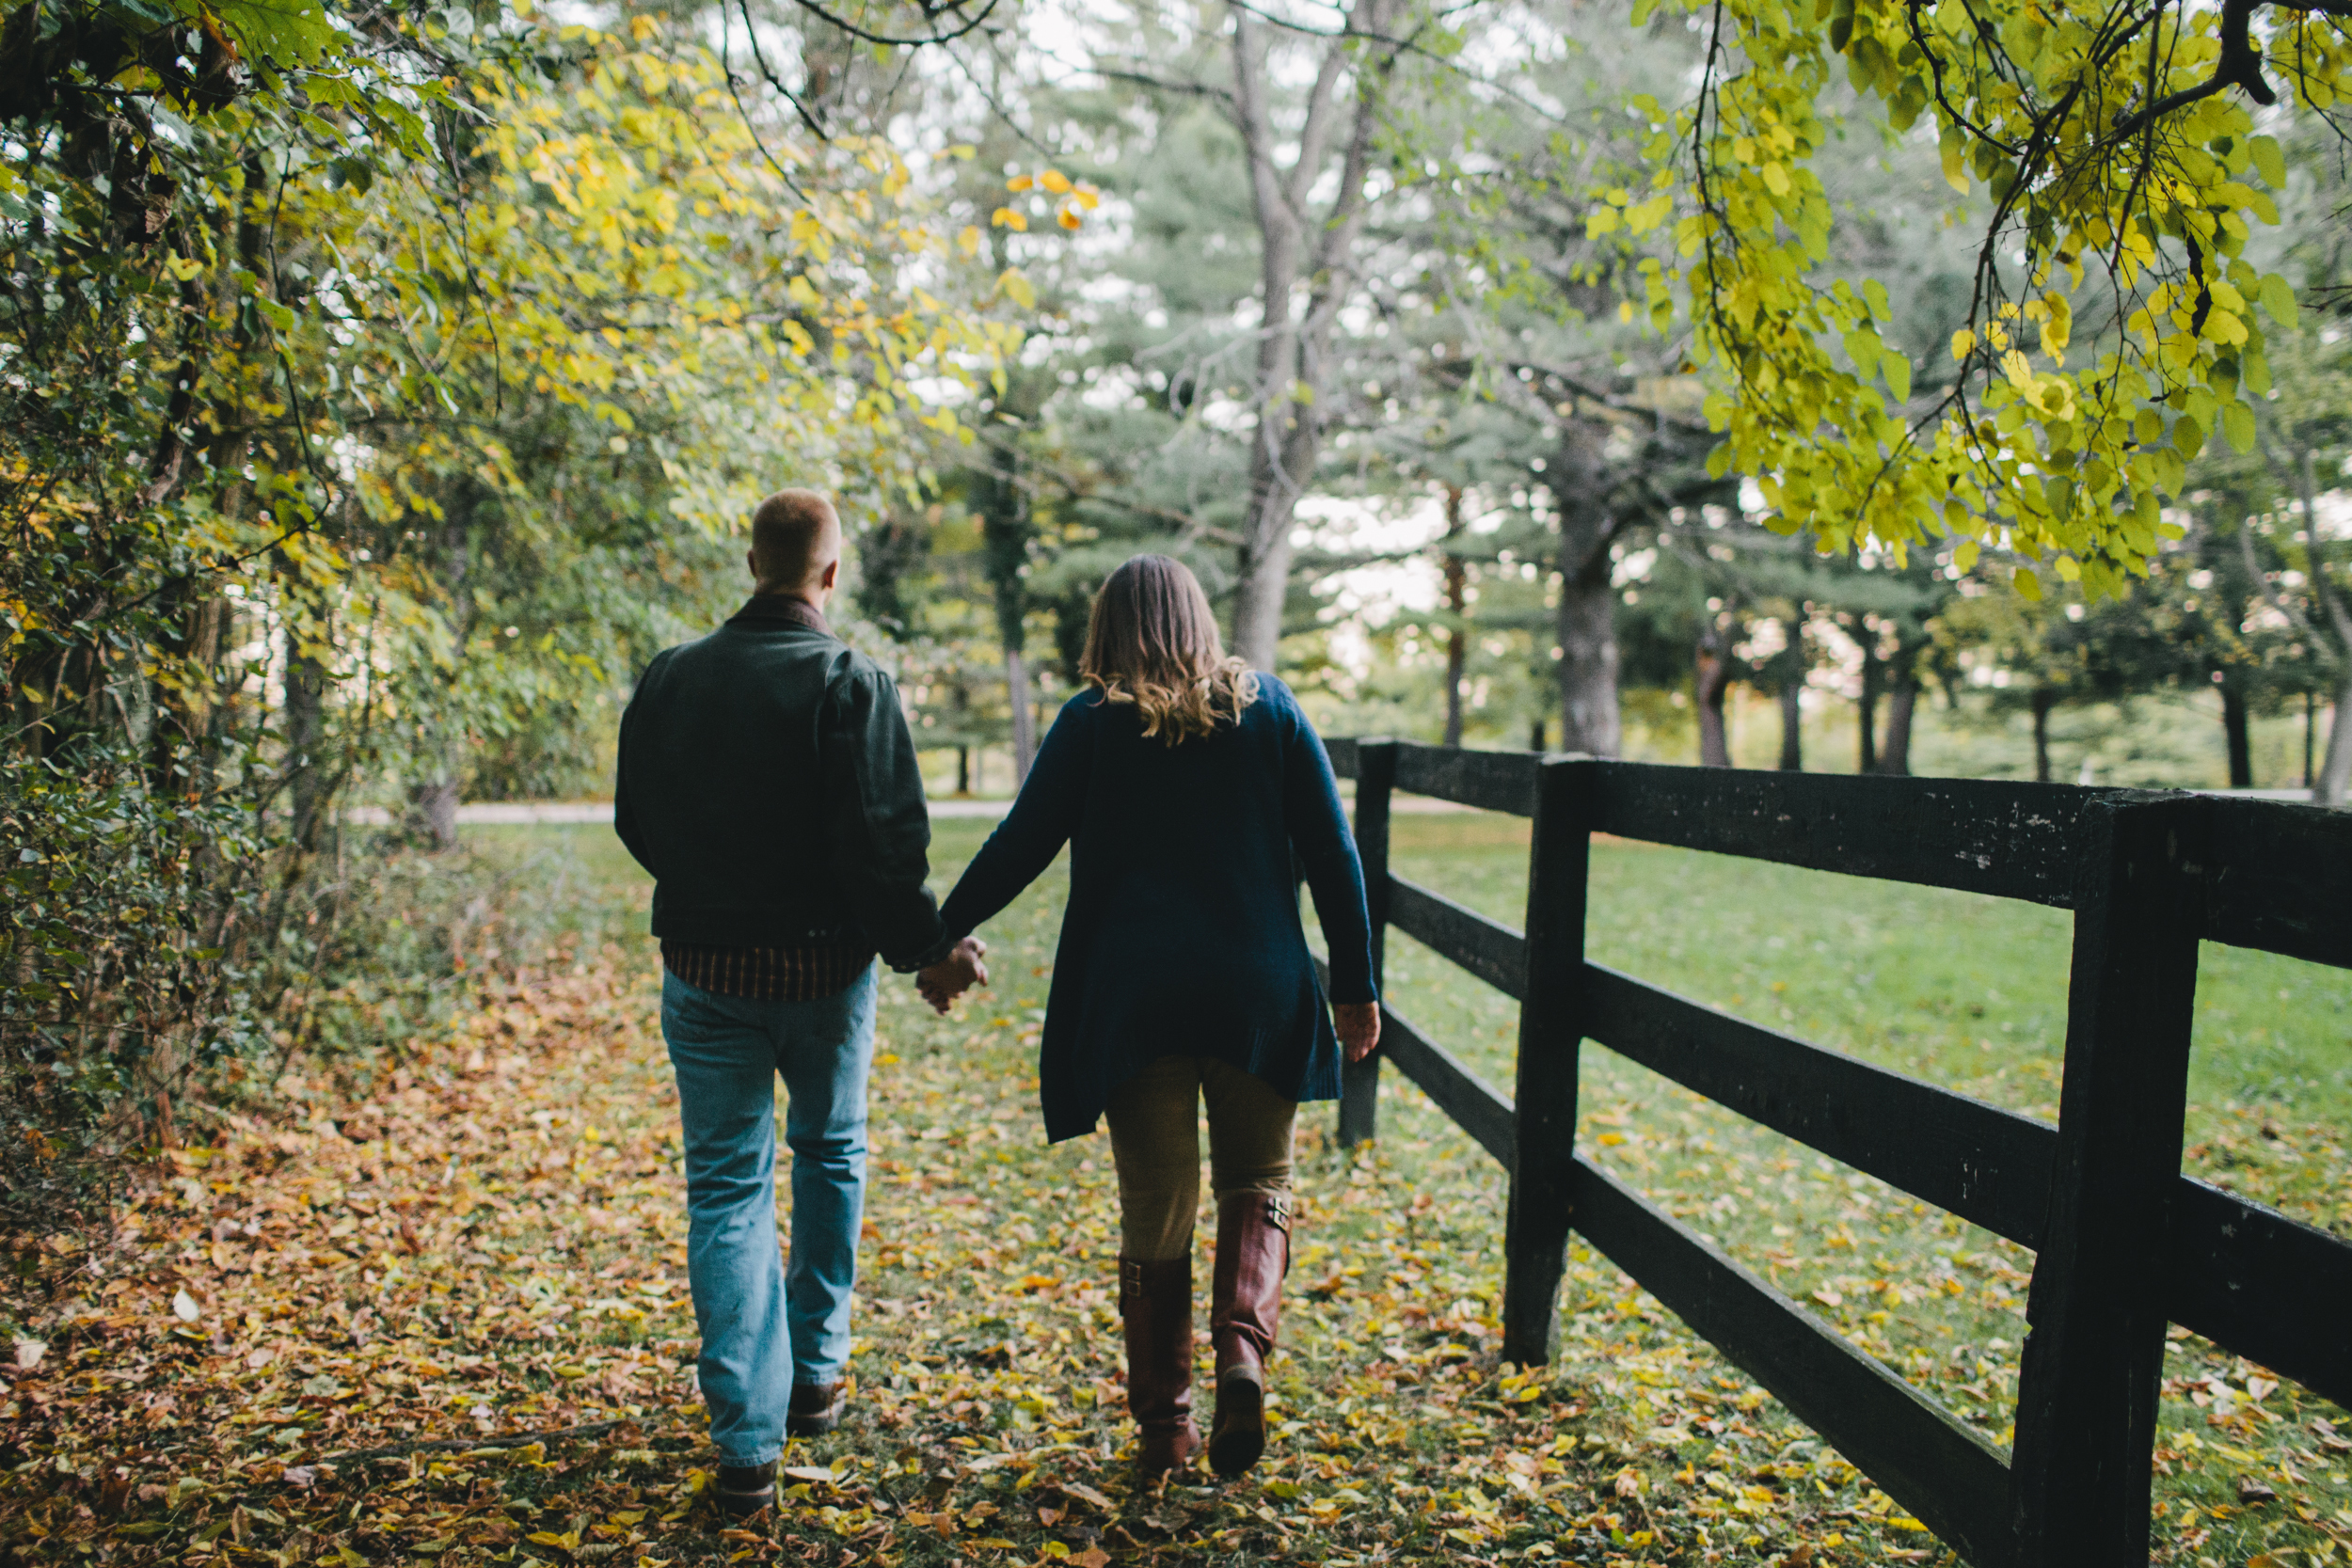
{"x": 1358, "y": 1025}
{"x": 951, "y": 976}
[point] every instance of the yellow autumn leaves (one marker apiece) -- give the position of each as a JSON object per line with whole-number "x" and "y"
{"x": 1071, "y": 199}
{"x": 2051, "y": 462}
{"x": 633, "y": 239}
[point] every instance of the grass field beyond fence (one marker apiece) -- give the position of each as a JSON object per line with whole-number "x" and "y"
{"x": 1964, "y": 991}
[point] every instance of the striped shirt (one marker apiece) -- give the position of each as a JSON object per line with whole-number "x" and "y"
{"x": 804, "y": 971}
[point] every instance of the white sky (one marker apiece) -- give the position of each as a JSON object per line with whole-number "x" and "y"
{"x": 1370, "y": 597}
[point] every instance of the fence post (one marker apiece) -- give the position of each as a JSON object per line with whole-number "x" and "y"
{"x": 2093, "y": 1359}
{"x": 1543, "y": 1165}
{"x": 1375, "y": 777}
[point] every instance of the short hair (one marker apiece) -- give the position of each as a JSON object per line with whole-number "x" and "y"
{"x": 795, "y": 533}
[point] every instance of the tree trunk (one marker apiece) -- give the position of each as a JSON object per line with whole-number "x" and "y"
{"x": 827, "y": 56}
{"x": 2335, "y": 771}
{"x": 1536, "y": 733}
{"x": 2044, "y": 700}
{"x": 1024, "y": 720}
{"x": 1578, "y": 477}
{"x": 1458, "y": 601}
{"x": 1261, "y": 585}
{"x": 1006, "y": 528}
{"x": 2235, "y": 731}
{"x": 197, "y": 708}
{"x": 433, "y": 794}
{"x": 432, "y": 807}
{"x": 1292, "y": 347}
{"x": 1793, "y": 729}
{"x": 1588, "y": 664}
{"x": 189, "y": 710}
{"x": 305, "y": 734}
{"x": 1866, "y": 714}
{"x": 1714, "y": 680}
{"x": 2311, "y": 727}
{"x": 964, "y": 770}
{"x": 1902, "y": 701}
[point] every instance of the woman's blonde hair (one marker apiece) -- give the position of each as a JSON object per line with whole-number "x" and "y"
{"x": 1153, "y": 641}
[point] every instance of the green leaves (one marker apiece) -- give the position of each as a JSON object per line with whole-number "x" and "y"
{"x": 2278, "y": 300}
{"x": 358, "y": 174}
{"x": 283, "y": 33}
{"x": 2237, "y": 425}
{"x": 338, "y": 453}
{"x": 2269, "y": 161}
{"x": 2074, "y": 188}
{"x": 1864, "y": 348}
{"x": 1897, "y": 370}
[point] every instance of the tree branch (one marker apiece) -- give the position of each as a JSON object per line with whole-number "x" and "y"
{"x": 857, "y": 32}
{"x": 1160, "y": 83}
{"x": 1614, "y": 401}
{"x": 2240, "y": 65}
{"x": 1317, "y": 129}
{"x": 761, "y": 60}
{"x": 1336, "y": 248}
{"x": 1251, "y": 118}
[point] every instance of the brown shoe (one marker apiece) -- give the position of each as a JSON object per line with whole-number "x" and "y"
{"x": 817, "y": 1408}
{"x": 1253, "y": 1252}
{"x": 743, "y": 1492}
{"x": 1156, "y": 1303}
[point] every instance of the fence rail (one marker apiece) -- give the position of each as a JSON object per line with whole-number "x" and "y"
{"x": 2123, "y": 1243}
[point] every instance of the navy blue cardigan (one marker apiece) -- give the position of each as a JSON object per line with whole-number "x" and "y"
{"x": 1181, "y": 935}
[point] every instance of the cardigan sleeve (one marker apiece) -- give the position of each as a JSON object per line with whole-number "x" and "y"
{"x": 1335, "y": 876}
{"x": 1044, "y": 816}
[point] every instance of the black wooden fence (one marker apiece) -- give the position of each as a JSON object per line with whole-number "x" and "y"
{"x": 2123, "y": 1243}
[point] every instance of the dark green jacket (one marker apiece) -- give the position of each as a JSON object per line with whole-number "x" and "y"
{"x": 769, "y": 783}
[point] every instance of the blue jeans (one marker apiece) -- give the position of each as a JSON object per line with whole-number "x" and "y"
{"x": 765, "y": 1326}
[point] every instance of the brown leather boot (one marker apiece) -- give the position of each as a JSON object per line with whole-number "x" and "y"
{"x": 1156, "y": 1302}
{"x": 1253, "y": 1252}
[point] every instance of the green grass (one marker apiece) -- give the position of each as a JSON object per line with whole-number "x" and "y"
{"x": 1963, "y": 991}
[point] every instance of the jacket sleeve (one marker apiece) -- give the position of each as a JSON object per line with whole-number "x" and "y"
{"x": 1044, "y": 816}
{"x": 1335, "y": 876}
{"x": 880, "y": 826}
{"x": 624, "y": 810}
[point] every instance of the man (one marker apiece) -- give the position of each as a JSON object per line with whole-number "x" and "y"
{"x": 769, "y": 783}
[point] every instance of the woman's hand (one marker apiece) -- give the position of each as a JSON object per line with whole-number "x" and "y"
{"x": 1358, "y": 1027}
{"x": 954, "y": 975}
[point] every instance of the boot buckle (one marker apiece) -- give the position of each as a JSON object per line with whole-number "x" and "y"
{"x": 1278, "y": 1212}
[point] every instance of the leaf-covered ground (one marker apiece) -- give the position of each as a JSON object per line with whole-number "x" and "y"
{"x": 438, "y": 1314}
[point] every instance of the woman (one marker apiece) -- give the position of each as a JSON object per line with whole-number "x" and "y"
{"x": 1183, "y": 784}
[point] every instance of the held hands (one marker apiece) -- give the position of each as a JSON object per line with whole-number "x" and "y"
{"x": 1358, "y": 1027}
{"x": 951, "y": 976}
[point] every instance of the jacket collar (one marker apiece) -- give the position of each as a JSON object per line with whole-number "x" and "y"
{"x": 782, "y": 607}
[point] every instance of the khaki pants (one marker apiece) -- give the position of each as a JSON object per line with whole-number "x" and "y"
{"x": 1155, "y": 1142}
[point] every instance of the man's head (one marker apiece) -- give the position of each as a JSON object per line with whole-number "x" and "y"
{"x": 796, "y": 546}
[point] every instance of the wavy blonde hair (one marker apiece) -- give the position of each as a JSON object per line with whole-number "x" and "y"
{"x": 1153, "y": 641}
